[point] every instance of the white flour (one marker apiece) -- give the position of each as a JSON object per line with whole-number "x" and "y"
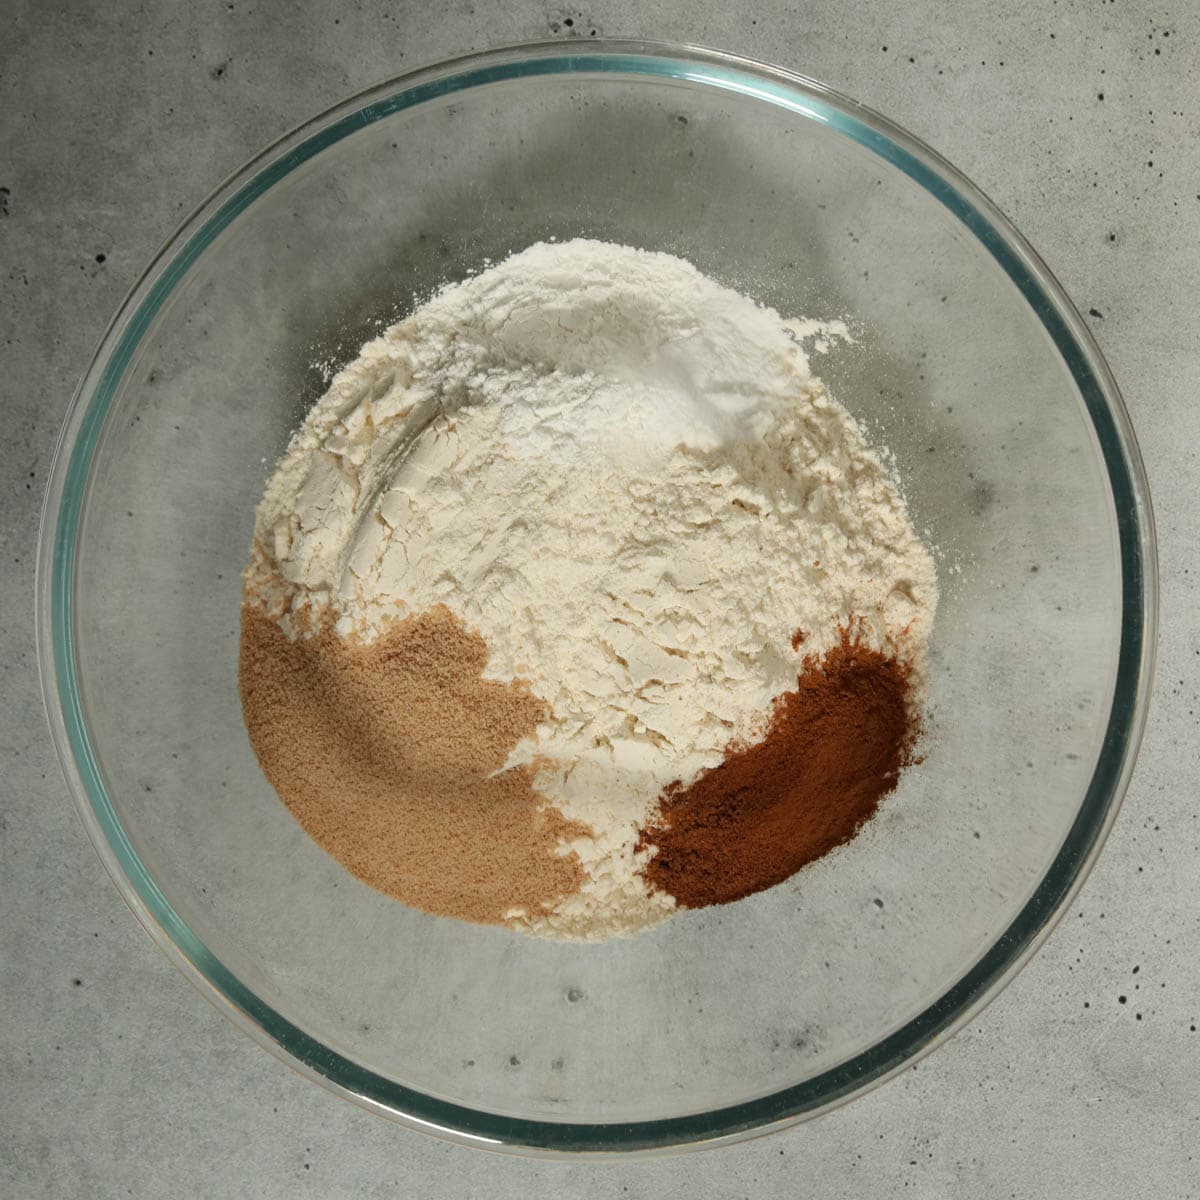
{"x": 627, "y": 479}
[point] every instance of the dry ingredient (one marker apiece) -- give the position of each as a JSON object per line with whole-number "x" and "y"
{"x": 833, "y": 749}
{"x": 623, "y": 486}
{"x": 391, "y": 754}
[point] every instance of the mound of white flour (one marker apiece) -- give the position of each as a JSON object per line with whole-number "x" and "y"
{"x": 627, "y": 479}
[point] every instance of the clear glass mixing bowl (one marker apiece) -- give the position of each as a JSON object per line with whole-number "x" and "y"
{"x": 970, "y": 364}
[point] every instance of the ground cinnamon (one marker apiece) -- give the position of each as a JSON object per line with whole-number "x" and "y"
{"x": 834, "y": 747}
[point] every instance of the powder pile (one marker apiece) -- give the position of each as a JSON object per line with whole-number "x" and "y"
{"x": 835, "y": 746}
{"x": 626, "y": 491}
{"x": 390, "y": 756}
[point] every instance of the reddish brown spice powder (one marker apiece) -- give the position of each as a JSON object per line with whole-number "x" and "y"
{"x": 833, "y": 749}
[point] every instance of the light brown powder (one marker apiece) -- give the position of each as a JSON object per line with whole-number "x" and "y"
{"x": 385, "y": 753}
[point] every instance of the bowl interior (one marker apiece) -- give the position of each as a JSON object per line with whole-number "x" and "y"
{"x": 952, "y": 368}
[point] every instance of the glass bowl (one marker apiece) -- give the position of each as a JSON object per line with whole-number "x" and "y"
{"x": 970, "y": 364}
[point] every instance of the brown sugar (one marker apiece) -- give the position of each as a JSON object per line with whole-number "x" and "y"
{"x": 390, "y": 755}
{"x": 833, "y": 749}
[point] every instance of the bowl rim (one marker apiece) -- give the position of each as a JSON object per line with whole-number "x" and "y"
{"x": 68, "y": 488}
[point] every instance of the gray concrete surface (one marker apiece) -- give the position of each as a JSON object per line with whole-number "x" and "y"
{"x": 1082, "y": 120}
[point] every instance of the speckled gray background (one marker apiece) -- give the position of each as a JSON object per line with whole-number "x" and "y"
{"x": 1082, "y": 120}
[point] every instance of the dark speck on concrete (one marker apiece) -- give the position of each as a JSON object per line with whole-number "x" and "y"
{"x": 513, "y": 1061}
{"x": 218, "y": 71}
{"x": 5, "y": 193}
{"x": 556, "y": 1065}
{"x": 100, "y": 258}
{"x": 574, "y": 994}
{"x": 983, "y": 497}
{"x": 1095, "y": 312}
{"x": 77, "y": 982}
{"x": 877, "y": 902}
